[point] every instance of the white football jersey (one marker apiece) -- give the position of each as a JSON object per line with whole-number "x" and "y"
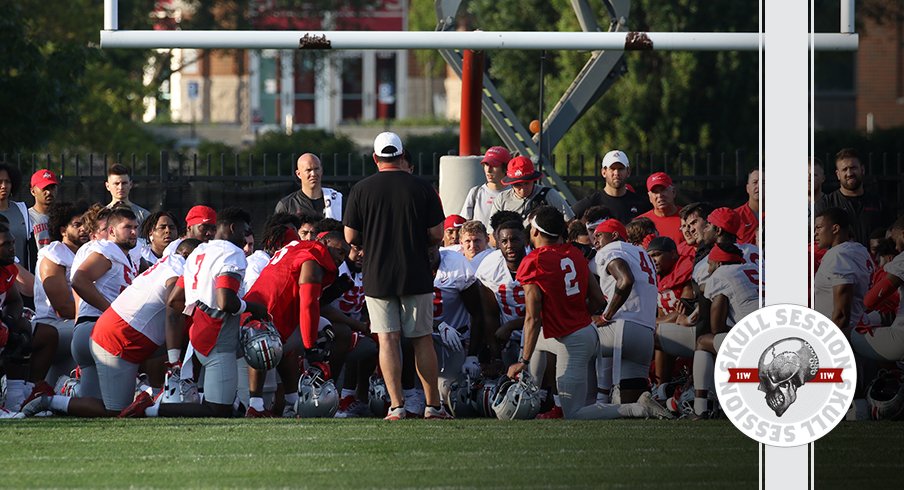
{"x": 475, "y": 262}
{"x": 496, "y": 276}
{"x": 173, "y": 245}
{"x": 256, "y": 263}
{"x": 847, "y": 263}
{"x": 59, "y": 254}
{"x": 751, "y": 255}
{"x": 123, "y": 268}
{"x": 640, "y": 307}
{"x": 740, "y": 283}
{"x": 208, "y": 262}
{"x": 352, "y": 301}
{"x": 896, "y": 268}
{"x": 453, "y": 276}
{"x": 143, "y": 304}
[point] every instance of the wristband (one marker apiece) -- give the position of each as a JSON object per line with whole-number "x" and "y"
{"x": 173, "y": 355}
{"x": 242, "y": 307}
{"x": 524, "y": 361}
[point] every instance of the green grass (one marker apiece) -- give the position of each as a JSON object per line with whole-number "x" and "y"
{"x": 237, "y": 453}
{"x": 861, "y": 455}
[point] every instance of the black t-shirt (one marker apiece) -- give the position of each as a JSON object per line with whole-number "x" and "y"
{"x": 393, "y": 211}
{"x": 867, "y": 212}
{"x": 624, "y": 208}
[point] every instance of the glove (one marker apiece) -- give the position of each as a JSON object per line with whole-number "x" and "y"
{"x": 450, "y": 337}
{"x": 471, "y": 367}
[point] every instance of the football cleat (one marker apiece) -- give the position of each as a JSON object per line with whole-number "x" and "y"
{"x": 440, "y": 413}
{"x": 6, "y": 414}
{"x": 252, "y": 413}
{"x": 137, "y": 409}
{"x": 37, "y": 405}
{"x": 397, "y": 413}
{"x": 289, "y": 412}
{"x": 653, "y": 409}
{"x": 552, "y": 413}
{"x": 42, "y": 388}
{"x": 350, "y": 407}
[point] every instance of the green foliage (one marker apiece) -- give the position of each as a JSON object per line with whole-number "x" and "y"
{"x": 280, "y": 150}
{"x": 883, "y": 143}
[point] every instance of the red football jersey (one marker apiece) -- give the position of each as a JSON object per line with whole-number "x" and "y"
{"x": 672, "y": 285}
{"x": 7, "y": 280}
{"x": 562, "y": 273}
{"x": 277, "y": 286}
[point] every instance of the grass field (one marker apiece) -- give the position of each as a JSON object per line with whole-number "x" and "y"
{"x": 61, "y": 452}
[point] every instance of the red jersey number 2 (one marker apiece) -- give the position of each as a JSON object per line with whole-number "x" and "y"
{"x": 571, "y": 283}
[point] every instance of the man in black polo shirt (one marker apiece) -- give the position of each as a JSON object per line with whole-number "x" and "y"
{"x": 395, "y": 217}
{"x": 867, "y": 211}
{"x": 312, "y": 198}
{"x": 624, "y": 204}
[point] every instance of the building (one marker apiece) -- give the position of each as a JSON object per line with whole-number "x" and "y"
{"x": 261, "y": 90}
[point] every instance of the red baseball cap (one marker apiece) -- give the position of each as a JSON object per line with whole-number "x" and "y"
{"x": 453, "y": 221}
{"x": 520, "y": 169}
{"x": 659, "y": 178}
{"x": 200, "y": 215}
{"x": 726, "y": 219}
{"x": 496, "y": 156}
{"x": 612, "y": 225}
{"x": 42, "y": 178}
{"x": 717, "y": 254}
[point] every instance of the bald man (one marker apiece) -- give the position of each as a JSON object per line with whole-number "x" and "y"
{"x": 311, "y": 198}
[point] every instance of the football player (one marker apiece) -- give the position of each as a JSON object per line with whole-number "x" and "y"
{"x": 98, "y": 277}
{"x": 200, "y": 224}
{"x": 451, "y": 229}
{"x": 210, "y": 286}
{"x": 674, "y": 272}
{"x": 127, "y": 334}
{"x": 628, "y": 281}
{"x": 842, "y": 279}
{"x": 557, "y": 284}
{"x": 733, "y": 290}
{"x": 474, "y": 242}
{"x": 54, "y": 305}
{"x": 457, "y": 316}
{"x": 15, "y": 331}
{"x": 290, "y": 287}
{"x": 886, "y": 343}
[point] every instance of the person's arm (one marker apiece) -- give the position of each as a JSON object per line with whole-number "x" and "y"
{"x": 25, "y": 281}
{"x": 718, "y": 315}
{"x": 687, "y": 292}
{"x": 624, "y": 282}
{"x": 881, "y": 291}
{"x": 490, "y": 311}
{"x": 53, "y": 277}
{"x": 352, "y": 236}
{"x": 335, "y": 315}
{"x": 310, "y": 286}
{"x": 842, "y": 301}
{"x": 92, "y": 269}
{"x": 228, "y": 300}
{"x": 174, "y": 319}
{"x": 470, "y": 297}
{"x": 435, "y": 234}
{"x": 595, "y": 297}
{"x": 533, "y": 301}
{"x": 12, "y": 311}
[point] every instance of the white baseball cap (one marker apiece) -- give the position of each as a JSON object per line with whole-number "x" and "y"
{"x": 615, "y": 156}
{"x": 387, "y": 145}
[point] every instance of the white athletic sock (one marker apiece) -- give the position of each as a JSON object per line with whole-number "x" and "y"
{"x": 346, "y": 392}
{"x": 700, "y": 405}
{"x": 557, "y": 401}
{"x": 257, "y": 403}
{"x": 15, "y": 394}
{"x": 291, "y": 398}
{"x": 633, "y": 410}
{"x": 60, "y": 403}
{"x": 704, "y": 366}
{"x": 173, "y": 355}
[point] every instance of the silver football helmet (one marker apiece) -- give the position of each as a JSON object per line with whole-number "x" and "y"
{"x": 885, "y": 396}
{"x": 261, "y": 344}
{"x": 482, "y": 397}
{"x": 68, "y": 385}
{"x": 179, "y": 390}
{"x": 316, "y": 397}
{"x": 461, "y": 398}
{"x": 378, "y": 396}
{"x": 517, "y": 399}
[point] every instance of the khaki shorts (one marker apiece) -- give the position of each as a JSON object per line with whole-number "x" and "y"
{"x": 412, "y": 315}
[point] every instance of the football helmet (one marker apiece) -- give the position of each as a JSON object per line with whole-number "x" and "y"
{"x": 885, "y": 396}
{"x": 316, "y": 397}
{"x": 483, "y": 396}
{"x": 461, "y": 398}
{"x": 179, "y": 390}
{"x": 68, "y": 385}
{"x": 378, "y": 396}
{"x": 261, "y": 344}
{"x": 517, "y": 399}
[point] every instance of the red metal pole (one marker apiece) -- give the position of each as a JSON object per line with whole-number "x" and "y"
{"x": 471, "y": 98}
